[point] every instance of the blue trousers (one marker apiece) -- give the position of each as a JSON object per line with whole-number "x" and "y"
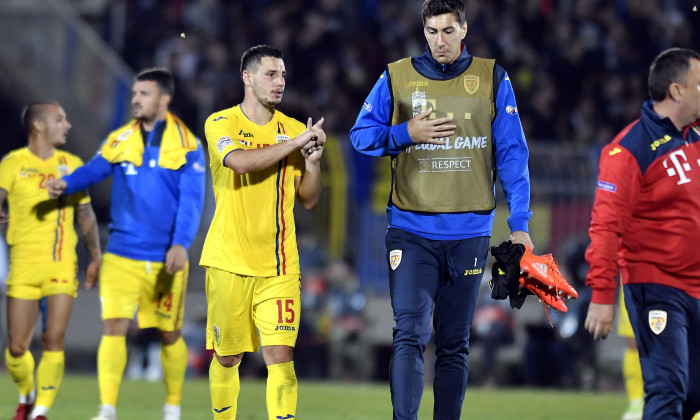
{"x": 666, "y": 324}
{"x": 438, "y": 280}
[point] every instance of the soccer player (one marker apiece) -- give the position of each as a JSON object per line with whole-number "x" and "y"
{"x": 157, "y": 169}
{"x": 645, "y": 222}
{"x": 43, "y": 261}
{"x": 260, "y": 161}
{"x": 450, "y": 123}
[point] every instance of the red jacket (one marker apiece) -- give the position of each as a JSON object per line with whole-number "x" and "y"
{"x": 646, "y": 217}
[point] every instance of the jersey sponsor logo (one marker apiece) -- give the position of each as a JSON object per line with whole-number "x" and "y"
{"x": 471, "y": 84}
{"x": 219, "y": 118}
{"x": 680, "y": 166}
{"x": 607, "y": 186}
{"x": 657, "y": 321}
{"x": 656, "y": 143}
{"x": 614, "y": 151}
{"x": 471, "y": 143}
{"x": 223, "y": 143}
{"x": 28, "y": 172}
{"x": 473, "y": 272}
{"x": 418, "y": 83}
{"x": 512, "y": 110}
{"x": 217, "y": 335}
{"x": 63, "y": 170}
{"x": 367, "y": 106}
{"x": 395, "y": 258}
{"x": 287, "y": 417}
{"x": 245, "y": 135}
{"x": 281, "y": 138}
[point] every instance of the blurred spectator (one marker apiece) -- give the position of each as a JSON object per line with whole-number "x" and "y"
{"x": 349, "y": 345}
{"x": 574, "y": 63}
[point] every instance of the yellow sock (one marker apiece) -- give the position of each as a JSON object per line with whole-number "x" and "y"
{"x": 174, "y": 360}
{"x": 49, "y": 377}
{"x": 281, "y": 394}
{"x": 224, "y": 385}
{"x": 632, "y": 372}
{"x": 111, "y": 360}
{"x": 22, "y": 371}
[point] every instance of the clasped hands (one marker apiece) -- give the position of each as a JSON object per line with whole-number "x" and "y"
{"x": 313, "y": 140}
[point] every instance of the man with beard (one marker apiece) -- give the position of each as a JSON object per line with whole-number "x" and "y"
{"x": 261, "y": 162}
{"x": 158, "y": 172}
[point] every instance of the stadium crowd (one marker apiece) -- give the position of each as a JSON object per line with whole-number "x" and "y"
{"x": 578, "y": 67}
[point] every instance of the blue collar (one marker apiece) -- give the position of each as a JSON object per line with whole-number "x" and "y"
{"x": 426, "y": 65}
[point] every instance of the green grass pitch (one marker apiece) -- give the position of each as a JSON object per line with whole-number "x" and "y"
{"x": 318, "y": 400}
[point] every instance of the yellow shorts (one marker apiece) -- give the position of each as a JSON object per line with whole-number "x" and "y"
{"x": 624, "y": 327}
{"x": 127, "y": 284}
{"x": 32, "y": 281}
{"x": 238, "y": 305}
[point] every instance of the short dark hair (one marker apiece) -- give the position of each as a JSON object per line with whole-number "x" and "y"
{"x": 440, "y": 7}
{"x": 253, "y": 57}
{"x": 671, "y": 66}
{"x": 163, "y": 77}
{"x": 32, "y": 112}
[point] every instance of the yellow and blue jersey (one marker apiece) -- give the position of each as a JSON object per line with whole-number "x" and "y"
{"x": 153, "y": 206}
{"x": 252, "y": 232}
{"x": 40, "y": 229}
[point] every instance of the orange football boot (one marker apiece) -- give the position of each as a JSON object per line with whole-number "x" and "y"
{"x": 555, "y": 301}
{"x": 544, "y": 269}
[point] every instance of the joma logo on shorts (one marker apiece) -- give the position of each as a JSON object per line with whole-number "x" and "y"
{"x": 284, "y": 328}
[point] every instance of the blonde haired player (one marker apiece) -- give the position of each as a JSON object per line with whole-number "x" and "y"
{"x": 260, "y": 161}
{"x": 43, "y": 262}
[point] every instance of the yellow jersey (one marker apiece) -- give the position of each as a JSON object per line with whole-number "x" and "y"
{"x": 252, "y": 232}
{"x": 40, "y": 229}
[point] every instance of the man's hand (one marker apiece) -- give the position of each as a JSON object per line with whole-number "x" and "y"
{"x": 521, "y": 237}
{"x": 313, "y": 150}
{"x": 55, "y": 187}
{"x": 92, "y": 273}
{"x": 4, "y": 217}
{"x": 423, "y": 130}
{"x": 599, "y": 320}
{"x": 175, "y": 259}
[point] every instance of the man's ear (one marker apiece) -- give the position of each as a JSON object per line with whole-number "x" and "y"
{"x": 675, "y": 91}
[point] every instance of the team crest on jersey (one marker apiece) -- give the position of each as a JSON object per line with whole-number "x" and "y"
{"x": 395, "y": 258}
{"x": 223, "y": 142}
{"x": 217, "y": 335}
{"x": 471, "y": 84}
{"x": 63, "y": 170}
{"x": 281, "y": 138}
{"x": 657, "y": 321}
